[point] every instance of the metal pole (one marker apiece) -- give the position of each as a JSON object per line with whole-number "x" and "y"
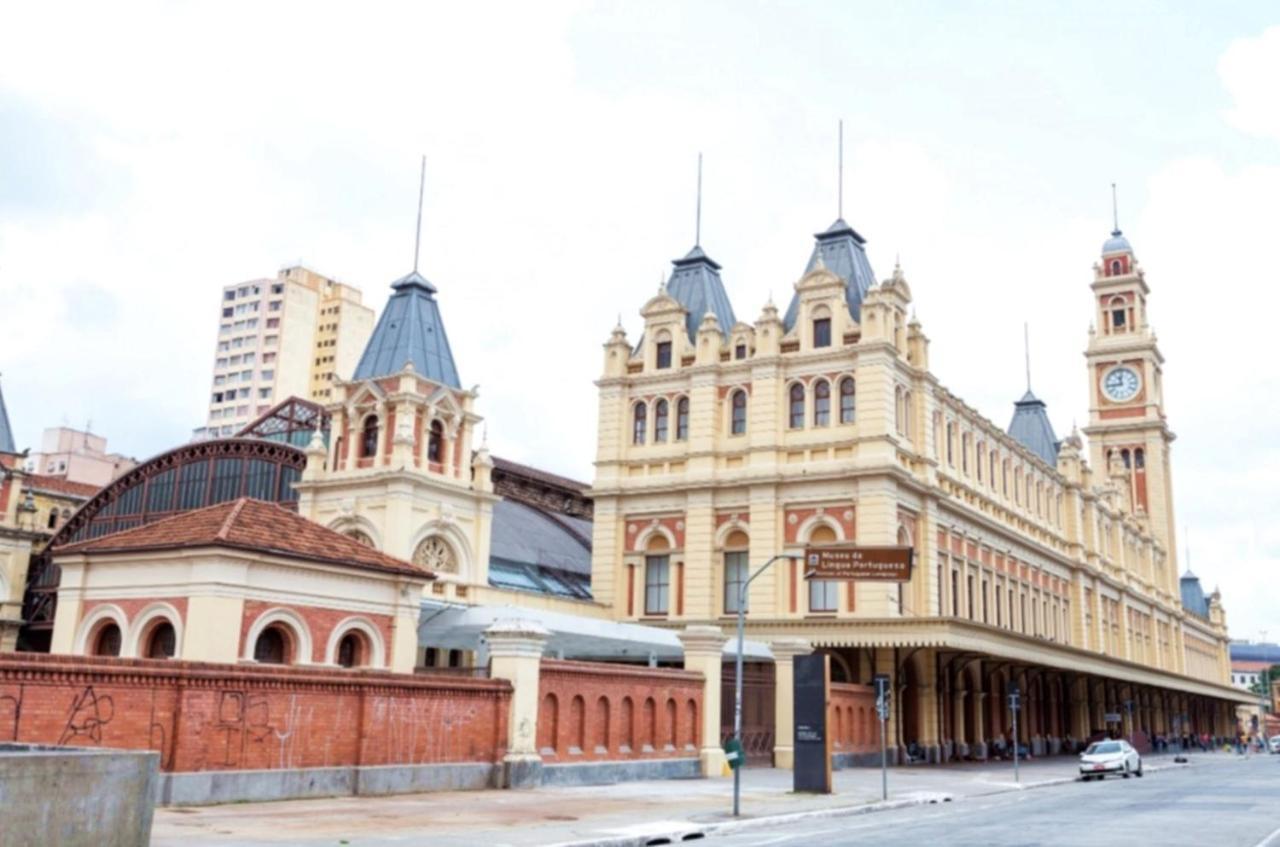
{"x": 884, "y": 759}
{"x": 1014, "y": 709}
{"x": 737, "y": 663}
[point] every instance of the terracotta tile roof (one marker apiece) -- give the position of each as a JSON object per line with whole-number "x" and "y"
{"x": 252, "y": 525}
{"x": 59, "y": 485}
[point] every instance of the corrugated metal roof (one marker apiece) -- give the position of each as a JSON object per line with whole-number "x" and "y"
{"x": 410, "y": 330}
{"x": 1031, "y": 428}
{"x": 842, "y": 254}
{"x": 6, "y": 432}
{"x": 522, "y": 534}
{"x": 695, "y": 284}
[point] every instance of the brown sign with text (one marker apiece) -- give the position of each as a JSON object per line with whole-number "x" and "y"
{"x": 850, "y": 561}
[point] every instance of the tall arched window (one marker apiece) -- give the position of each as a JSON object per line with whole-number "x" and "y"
{"x": 162, "y": 642}
{"x": 848, "y": 400}
{"x": 639, "y": 422}
{"x": 107, "y": 640}
{"x": 736, "y": 570}
{"x": 272, "y": 647}
{"x": 738, "y": 424}
{"x": 435, "y": 443}
{"x": 823, "y": 593}
{"x": 821, "y": 403}
{"x": 369, "y": 437}
{"x": 660, "y": 415}
{"x": 351, "y": 650}
{"x": 682, "y": 419}
{"x": 797, "y": 406}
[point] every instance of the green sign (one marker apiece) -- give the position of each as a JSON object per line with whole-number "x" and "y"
{"x": 733, "y": 753}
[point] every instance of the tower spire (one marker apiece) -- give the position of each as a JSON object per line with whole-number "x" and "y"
{"x": 1115, "y": 212}
{"x": 417, "y": 235}
{"x": 697, "y": 226}
{"x": 840, "y": 172}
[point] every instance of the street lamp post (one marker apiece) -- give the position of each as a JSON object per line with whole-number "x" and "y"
{"x": 737, "y": 677}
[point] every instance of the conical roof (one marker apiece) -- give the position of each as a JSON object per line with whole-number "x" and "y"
{"x": 1031, "y": 428}
{"x": 410, "y": 331}
{"x": 695, "y": 284}
{"x": 1193, "y": 599}
{"x": 842, "y": 252}
{"x": 6, "y": 432}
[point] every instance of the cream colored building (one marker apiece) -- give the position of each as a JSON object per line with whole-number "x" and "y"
{"x": 77, "y": 456}
{"x": 1039, "y": 562}
{"x": 277, "y": 338}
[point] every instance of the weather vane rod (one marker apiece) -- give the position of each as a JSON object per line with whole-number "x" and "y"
{"x": 1026, "y": 351}
{"x": 417, "y": 236}
{"x": 840, "y": 173}
{"x": 697, "y": 226}
{"x": 1115, "y": 210}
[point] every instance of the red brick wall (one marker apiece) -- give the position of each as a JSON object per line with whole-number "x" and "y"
{"x": 222, "y": 717}
{"x": 852, "y": 719}
{"x": 589, "y": 711}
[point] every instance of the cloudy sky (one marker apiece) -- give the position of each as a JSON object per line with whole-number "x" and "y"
{"x": 150, "y": 154}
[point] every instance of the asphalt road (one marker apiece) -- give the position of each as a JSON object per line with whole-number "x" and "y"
{"x": 1228, "y": 805}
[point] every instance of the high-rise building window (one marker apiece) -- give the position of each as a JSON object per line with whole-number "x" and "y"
{"x": 228, "y": 295}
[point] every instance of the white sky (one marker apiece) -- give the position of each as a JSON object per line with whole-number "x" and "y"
{"x": 150, "y": 154}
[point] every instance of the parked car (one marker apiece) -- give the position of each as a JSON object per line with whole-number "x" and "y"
{"x": 1104, "y": 757}
{"x": 1274, "y": 744}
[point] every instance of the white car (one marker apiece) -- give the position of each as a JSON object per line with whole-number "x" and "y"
{"x": 1104, "y": 757}
{"x": 1273, "y": 744}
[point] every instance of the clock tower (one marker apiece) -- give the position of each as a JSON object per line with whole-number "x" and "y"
{"x": 1127, "y": 429}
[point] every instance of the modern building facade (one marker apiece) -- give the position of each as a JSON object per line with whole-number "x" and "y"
{"x": 77, "y": 456}
{"x": 283, "y": 337}
{"x": 1042, "y": 563}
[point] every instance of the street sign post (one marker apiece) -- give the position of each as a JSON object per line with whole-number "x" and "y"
{"x": 737, "y": 680}
{"x": 1015, "y": 703}
{"x": 882, "y": 711}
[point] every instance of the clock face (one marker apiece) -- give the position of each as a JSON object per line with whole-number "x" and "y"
{"x": 1121, "y": 384}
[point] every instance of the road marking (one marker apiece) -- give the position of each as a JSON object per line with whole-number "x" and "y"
{"x": 1270, "y": 839}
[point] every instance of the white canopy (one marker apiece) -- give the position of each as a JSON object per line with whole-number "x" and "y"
{"x": 457, "y": 627}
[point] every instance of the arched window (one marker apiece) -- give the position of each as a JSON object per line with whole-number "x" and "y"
{"x": 848, "y": 400}
{"x": 660, "y": 421}
{"x": 657, "y": 578}
{"x": 359, "y": 535}
{"x": 823, "y": 593}
{"x": 369, "y": 437}
{"x": 107, "y": 640}
{"x": 821, "y": 403}
{"x": 162, "y": 642}
{"x": 272, "y": 647}
{"x": 435, "y": 443}
{"x": 1115, "y": 267}
{"x": 735, "y": 569}
{"x": 639, "y": 423}
{"x": 682, "y": 419}
{"x": 435, "y": 555}
{"x": 1118, "y": 310}
{"x": 738, "y": 424}
{"x": 797, "y": 406}
{"x": 351, "y": 650}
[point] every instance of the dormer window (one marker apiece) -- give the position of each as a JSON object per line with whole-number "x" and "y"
{"x": 822, "y": 332}
{"x": 663, "y": 355}
{"x": 740, "y": 351}
{"x": 369, "y": 437}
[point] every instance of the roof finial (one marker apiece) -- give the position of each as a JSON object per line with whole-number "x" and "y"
{"x": 840, "y": 173}
{"x": 417, "y": 236}
{"x": 697, "y": 227}
{"x": 1026, "y": 350}
{"x": 1115, "y": 212}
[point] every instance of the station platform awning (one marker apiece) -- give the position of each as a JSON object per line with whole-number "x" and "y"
{"x": 457, "y": 627}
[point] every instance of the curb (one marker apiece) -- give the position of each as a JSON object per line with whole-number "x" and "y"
{"x": 692, "y": 830}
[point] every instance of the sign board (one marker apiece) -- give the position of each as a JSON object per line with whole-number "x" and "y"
{"x": 733, "y": 753}
{"x": 1111, "y": 717}
{"x": 852, "y": 562}
{"x": 811, "y": 690}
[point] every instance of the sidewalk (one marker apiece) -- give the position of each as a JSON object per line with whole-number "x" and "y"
{"x": 585, "y": 814}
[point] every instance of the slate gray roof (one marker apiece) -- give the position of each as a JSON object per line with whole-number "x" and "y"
{"x": 1257, "y": 652}
{"x": 410, "y": 330}
{"x": 1117, "y": 243}
{"x": 522, "y": 534}
{"x": 695, "y": 284}
{"x": 1031, "y": 428}
{"x": 6, "y": 432}
{"x": 1193, "y": 599}
{"x": 844, "y": 255}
